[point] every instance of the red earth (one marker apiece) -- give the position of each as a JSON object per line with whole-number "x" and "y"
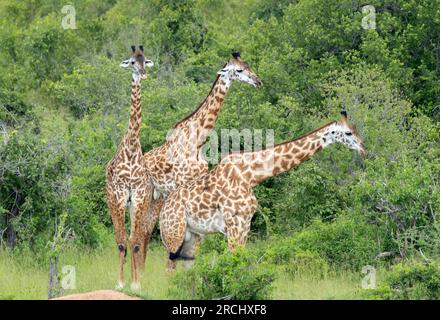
{"x": 98, "y": 295}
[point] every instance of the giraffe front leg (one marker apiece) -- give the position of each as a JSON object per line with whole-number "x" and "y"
{"x": 238, "y": 221}
{"x": 116, "y": 205}
{"x": 237, "y": 230}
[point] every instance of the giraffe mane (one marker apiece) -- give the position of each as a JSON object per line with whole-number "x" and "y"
{"x": 201, "y": 103}
{"x": 354, "y": 129}
{"x": 285, "y": 142}
{"x": 306, "y": 134}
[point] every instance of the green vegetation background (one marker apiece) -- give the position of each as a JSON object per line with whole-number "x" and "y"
{"x": 64, "y": 105}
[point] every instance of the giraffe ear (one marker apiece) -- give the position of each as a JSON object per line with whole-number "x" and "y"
{"x": 125, "y": 63}
{"x": 149, "y": 63}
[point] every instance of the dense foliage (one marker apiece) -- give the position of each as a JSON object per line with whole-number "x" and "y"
{"x": 64, "y": 104}
{"x": 225, "y": 275}
{"x": 409, "y": 281}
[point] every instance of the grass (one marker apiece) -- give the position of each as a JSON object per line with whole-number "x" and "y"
{"x": 332, "y": 287}
{"x": 22, "y": 278}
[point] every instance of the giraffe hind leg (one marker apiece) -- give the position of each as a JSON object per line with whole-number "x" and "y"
{"x": 176, "y": 255}
{"x": 116, "y": 204}
{"x": 186, "y": 249}
{"x": 140, "y": 203}
{"x": 173, "y": 257}
{"x": 173, "y": 230}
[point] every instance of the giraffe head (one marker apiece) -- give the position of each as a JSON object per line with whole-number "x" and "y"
{"x": 345, "y": 133}
{"x": 138, "y": 62}
{"x": 237, "y": 69}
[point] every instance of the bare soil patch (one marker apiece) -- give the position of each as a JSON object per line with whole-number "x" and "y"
{"x": 98, "y": 295}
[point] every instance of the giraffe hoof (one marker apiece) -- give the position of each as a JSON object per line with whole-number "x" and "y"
{"x": 119, "y": 286}
{"x": 135, "y": 286}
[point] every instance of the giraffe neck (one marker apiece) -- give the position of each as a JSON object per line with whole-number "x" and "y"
{"x": 202, "y": 121}
{"x": 134, "y": 124}
{"x": 284, "y": 156}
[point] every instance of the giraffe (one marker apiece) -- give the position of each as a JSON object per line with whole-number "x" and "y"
{"x": 179, "y": 160}
{"x": 127, "y": 182}
{"x": 222, "y": 201}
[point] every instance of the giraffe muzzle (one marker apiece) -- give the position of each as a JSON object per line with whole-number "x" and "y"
{"x": 258, "y": 83}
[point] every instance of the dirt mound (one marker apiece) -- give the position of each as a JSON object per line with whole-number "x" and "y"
{"x": 98, "y": 295}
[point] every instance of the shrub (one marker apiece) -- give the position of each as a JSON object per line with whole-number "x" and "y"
{"x": 92, "y": 86}
{"x": 345, "y": 243}
{"x": 88, "y": 214}
{"x": 33, "y": 185}
{"x": 409, "y": 281}
{"x": 306, "y": 262}
{"x": 213, "y": 243}
{"x": 238, "y": 275}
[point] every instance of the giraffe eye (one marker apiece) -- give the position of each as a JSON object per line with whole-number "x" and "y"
{"x": 348, "y": 133}
{"x": 132, "y": 62}
{"x": 241, "y": 70}
{"x": 333, "y": 132}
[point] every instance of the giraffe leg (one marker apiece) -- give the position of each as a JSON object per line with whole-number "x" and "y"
{"x": 186, "y": 252}
{"x": 237, "y": 229}
{"x": 141, "y": 200}
{"x": 189, "y": 249}
{"x": 238, "y": 223}
{"x": 172, "y": 230}
{"x": 116, "y": 204}
{"x": 150, "y": 222}
{"x": 245, "y": 232}
{"x": 170, "y": 266}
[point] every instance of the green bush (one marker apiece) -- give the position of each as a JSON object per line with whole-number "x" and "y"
{"x": 409, "y": 281}
{"x": 307, "y": 263}
{"x": 213, "y": 243}
{"x": 239, "y": 275}
{"x": 87, "y": 209}
{"x": 92, "y": 86}
{"x": 33, "y": 185}
{"x": 344, "y": 243}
